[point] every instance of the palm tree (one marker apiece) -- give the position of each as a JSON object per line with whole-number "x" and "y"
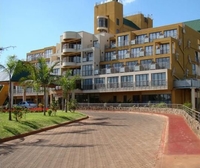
{"x": 68, "y": 83}
{"x": 10, "y": 69}
{"x": 31, "y": 80}
{"x": 44, "y": 76}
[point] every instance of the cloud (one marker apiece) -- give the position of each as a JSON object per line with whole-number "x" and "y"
{"x": 125, "y": 2}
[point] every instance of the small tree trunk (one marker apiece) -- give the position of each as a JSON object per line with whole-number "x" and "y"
{"x": 10, "y": 94}
{"x": 44, "y": 109}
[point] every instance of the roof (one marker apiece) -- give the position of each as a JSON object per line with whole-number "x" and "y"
{"x": 194, "y": 24}
{"x": 130, "y": 24}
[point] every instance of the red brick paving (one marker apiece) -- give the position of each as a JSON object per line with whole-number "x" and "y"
{"x": 181, "y": 139}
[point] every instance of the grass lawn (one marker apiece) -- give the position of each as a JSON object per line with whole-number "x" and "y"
{"x": 33, "y": 121}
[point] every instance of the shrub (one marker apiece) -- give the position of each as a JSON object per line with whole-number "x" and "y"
{"x": 50, "y": 111}
{"x": 18, "y": 112}
{"x": 161, "y": 105}
{"x": 72, "y": 105}
{"x": 188, "y": 104}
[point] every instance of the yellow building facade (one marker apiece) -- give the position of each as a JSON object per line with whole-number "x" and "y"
{"x": 128, "y": 60}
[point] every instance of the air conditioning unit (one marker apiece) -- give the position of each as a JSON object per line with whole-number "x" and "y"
{"x": 158, "y": 51}
{"x": 146, "y": 39}
{"x": 132, "y": 41}
{"x": 127, "y": 55}
{"x": 108, "y": 71}
{"x": 114, "y": 57}
{"x": 122, "y": 69}
{"x": 161, "y": 35}
{"x": 84, "y": 59}
{"x": 96, "y": 72}
{"x": 153, "y": 66}
{"x": 137, "y": 68}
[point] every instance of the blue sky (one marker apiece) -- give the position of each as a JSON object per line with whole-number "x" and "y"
{"x": 35, "y": 24}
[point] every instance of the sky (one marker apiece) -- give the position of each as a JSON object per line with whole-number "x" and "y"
{"x": 34, "y": 24}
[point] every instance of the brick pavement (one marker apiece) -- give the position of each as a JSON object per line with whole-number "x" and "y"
{"x": 108, "y": 140}
{"x": 105, "y": 140}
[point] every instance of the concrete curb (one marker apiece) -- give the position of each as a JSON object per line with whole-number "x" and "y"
{"x": 40, "y": 130}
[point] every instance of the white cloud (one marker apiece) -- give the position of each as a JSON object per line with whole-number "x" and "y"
{"x": 127, "y": 1}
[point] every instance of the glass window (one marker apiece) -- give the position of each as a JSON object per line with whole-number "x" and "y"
{"x": 163, "y": 63}
{"x": 127, "y": 81}
{"x": 142, "y": 80}
{"x": 102, "y": 22}
{"x": 87, "y": 70}
{"x": 99, "y": 83}
{"x": 170, "y": 33}
{"x": 158, "y": 79}
{"x": 153, "y": 36}
{"x": 87, "y": 84}
{"x": 112, "y": 82}
{"x": 148, "y": 50}
{"x": 140, "y": 39}
{"x": 123, "y": 40}
{"x": 135, "y": 52}
{"x": 121, "y": 54}
{"x": 145, "y": 64}
{"x": 164, "y": 48}
{"x": 131, "y": 65}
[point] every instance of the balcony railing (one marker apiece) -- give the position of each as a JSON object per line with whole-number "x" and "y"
{"x": 138, "y": 85}
{"x": 29, "y": 91}
{"x": 187, "y": 83}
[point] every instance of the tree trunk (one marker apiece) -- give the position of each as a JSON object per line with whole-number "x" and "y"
{"x": 44, "y": 109}
{"x": 10, "y": 94}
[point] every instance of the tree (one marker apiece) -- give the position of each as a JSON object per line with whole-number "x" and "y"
{"x": 10, "y": 69}
{"x": 68, "y": 83}
{"x": 31, "y": 80}
{"x": 43, "y": 72}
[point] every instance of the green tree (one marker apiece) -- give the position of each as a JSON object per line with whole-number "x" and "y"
{"x": 68, "y": 83}
{"x": 31, "y": 80}
{"x": 44, "y": 76}
{"x": 10, "y": 68}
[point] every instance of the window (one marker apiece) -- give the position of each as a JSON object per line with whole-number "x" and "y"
{"x": 170, "y": 33}
{"x": 87, "y": 84}
{"x": 117, "y": 66}
{"x": 127, "y": 81}
{"x": 117, "y": 21}
{"x": 164, "y": 48}
{"x": 47, "y": 53}
{"x": 121, "y": 54}
{"x": 125, "y": 99}
{"x": 123, "y": 40}
{"x": 56, "y": 71}
{"x": 145, "y": 64}
{"x": 95, "y": 44}
{"x": 108, "y": 55}
{"x": 194, "y": 69}
{"x": 158, "y": 79}
{"x": 157, "y": 98}
{"x": 140, "y": 39}
{"x": 153, "y": 36}
{"x": 87, "y": 70}
{"x": 102, "y": 22}
{"x": 88, "y": 56}
{"x": 135, "y": 52}
{"x": 112, "y": 82}
{"x": 131, "y": 65}
{"x": 99, "y": 83}
{"x": 142, "y": 80}
{"x": 163, "y": 63}
{"x": 148, "y": 50}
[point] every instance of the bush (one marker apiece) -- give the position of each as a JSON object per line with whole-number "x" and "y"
{"x": 161, "y": 105}
{"x": 188, "y": 104}
{"x": 50, "y": 111}
{"x": 18, "y": 112}
{"x": 72, "y": 105}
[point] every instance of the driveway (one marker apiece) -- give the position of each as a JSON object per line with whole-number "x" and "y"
{"x": 105, "y": 140}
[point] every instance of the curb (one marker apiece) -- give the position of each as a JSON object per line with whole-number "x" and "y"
{"x": 40, "y": 130}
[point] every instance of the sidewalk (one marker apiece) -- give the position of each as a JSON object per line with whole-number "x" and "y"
{"x": 182, "y": 148}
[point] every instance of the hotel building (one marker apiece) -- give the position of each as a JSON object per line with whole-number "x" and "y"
{"x": 127, "y": 60}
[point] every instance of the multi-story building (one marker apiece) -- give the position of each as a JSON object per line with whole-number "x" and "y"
{"x": 129, "y": 60}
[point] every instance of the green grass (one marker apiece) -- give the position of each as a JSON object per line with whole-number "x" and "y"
{"x": 33, "y": 121}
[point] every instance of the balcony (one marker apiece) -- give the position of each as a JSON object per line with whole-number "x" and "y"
{"x": 187, "y": 83}
{"x": 113, "y": 57}
{"x": 70, "y": 35}
{"x": 65, "y": 64}
{"x": 127, "y": 86}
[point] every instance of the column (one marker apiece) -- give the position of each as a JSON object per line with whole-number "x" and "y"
{"x": 193, "y": 98}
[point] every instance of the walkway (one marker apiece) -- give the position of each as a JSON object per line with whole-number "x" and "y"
{"x": 108, "y": 140}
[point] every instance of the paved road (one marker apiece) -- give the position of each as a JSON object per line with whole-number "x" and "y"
{"x": 105, "y": 140}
